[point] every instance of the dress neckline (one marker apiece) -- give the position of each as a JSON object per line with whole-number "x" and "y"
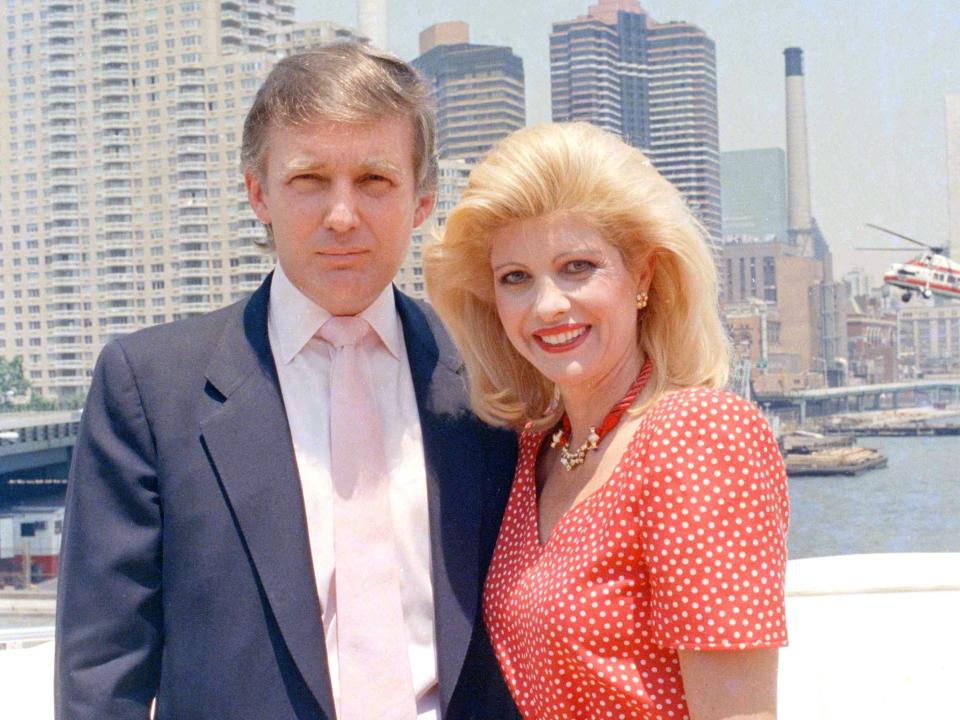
{"x": 543, "y": 545}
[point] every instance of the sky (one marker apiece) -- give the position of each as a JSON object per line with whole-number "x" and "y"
{"x": 877, "y": 73}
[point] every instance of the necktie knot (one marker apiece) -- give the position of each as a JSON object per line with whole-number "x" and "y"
{"x": 343, "y": 330}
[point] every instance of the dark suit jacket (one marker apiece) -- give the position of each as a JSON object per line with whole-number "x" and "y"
{"x": 186, "y": 572}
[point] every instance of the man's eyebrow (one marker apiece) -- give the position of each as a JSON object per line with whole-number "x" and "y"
{"x": 375, "y": 165}
{"x": 384, "y": 166}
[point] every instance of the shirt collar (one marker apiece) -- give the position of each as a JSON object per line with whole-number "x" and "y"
{"x": 295, "y": 318}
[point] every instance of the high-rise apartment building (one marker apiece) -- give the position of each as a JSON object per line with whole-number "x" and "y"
{"x": 754, "y": 186}
{"x": 654, "y": 84}
{"x": 452, "y": 177}
{"x": 478, "y": 90}
{"x": 121, "y": 200}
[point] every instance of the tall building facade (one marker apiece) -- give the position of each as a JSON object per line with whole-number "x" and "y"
{"x": 928, "y": 341}
{"x": 452, "y": 177}
{"x": 654, "y": 84}
{"x": 478, "y": 90}
{"x": 754, "y": 190}
{"x": 123, "y": 205}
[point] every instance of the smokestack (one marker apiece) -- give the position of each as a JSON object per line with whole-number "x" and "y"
{"x": 798, "y": 166}
{"x": 372, "y": 19}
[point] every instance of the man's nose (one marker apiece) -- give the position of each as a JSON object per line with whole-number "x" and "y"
{"x": 552, "y": 301}
{"x": 341, "y": 213}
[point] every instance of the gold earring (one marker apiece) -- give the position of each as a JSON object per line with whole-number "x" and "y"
{"x": 642, "y": 298}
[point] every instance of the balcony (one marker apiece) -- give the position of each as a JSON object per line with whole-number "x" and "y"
{"x": 115, "y": 23}
{"x": 115, "y": 73}
{"x": 192, "y": 166}
{"x": 67, "y": 332}
{"x": 117, "y": 226}
{"x": 252, "y": 233}
{"x": 64, "y": 193}
{"x": 231, "y": 17}
{"x": 61, "y": 65}
{"x": 63, "y": 243}
{"x": 114, "y": 54}
{"x": 60, "y": 31}
{"x": 62, "y": 147}
{"x": 231, "y": 37}
{"x": 191, "y": 146}
{"x": 61, "y": 112}
{"x": 115, "y": 104}
{"x": 116, "y": 173}
{"x": 72, "y": 265}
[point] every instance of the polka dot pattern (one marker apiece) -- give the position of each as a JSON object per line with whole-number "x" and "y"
{"x": 684, "y": 547}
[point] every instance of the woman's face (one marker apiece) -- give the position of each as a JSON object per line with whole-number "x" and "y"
{"x": 567, "y": 301}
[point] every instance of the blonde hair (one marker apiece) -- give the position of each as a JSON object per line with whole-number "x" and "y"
{"x": 342, "y": 82}
{"x": 577, "y": 169}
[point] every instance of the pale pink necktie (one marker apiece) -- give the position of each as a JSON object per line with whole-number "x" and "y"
{"x": 376, "y": 682}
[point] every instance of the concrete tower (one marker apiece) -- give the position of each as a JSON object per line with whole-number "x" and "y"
{"x": 799, "y": 216}
{"x": 372, "y": 19}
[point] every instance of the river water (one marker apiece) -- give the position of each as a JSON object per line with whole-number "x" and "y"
{"x": 912, "y": 505}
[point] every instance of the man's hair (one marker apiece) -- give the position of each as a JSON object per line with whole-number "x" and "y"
{"x": 342, "y": 82}
{"x": 585, "y": 173}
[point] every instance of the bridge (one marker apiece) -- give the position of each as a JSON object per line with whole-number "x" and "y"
{"x": 37, "y": 444}
{"x": 854, "y": 398}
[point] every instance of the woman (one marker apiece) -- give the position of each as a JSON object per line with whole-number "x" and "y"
{"x": 639, "y": 569}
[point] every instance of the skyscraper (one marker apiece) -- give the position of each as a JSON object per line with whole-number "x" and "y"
{"x": 121, "y": 203}
{"x": 653, "y": 84}
{"x": 754, "y": 184}
{"x": 452, "y": 176}
{"x": 478, "y": 90}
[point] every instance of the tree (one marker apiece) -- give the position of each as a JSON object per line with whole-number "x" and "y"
{"x": 12, "y": 381}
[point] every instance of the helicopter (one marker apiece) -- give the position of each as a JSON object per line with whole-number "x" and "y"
{"x": 930, "y": 273}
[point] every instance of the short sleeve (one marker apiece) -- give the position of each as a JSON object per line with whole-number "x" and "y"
{"x": 714, "y": 513}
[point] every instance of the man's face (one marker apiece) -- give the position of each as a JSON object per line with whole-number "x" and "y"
{"x": 342, "y": 201}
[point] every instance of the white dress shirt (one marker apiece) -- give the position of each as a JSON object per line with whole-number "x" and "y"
{"x": 303, "y": 365}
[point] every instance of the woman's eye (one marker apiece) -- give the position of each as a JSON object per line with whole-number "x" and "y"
{"x": 514, "y": 277}
{"x": 579, "y": 266}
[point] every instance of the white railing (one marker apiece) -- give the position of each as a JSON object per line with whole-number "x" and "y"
{"x": 871, "y": 636}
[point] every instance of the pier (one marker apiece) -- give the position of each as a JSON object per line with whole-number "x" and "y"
{"x": 825, "y": 401}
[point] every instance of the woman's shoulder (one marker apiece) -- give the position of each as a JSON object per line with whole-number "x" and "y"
{"x": 706, "y": 409}
{"x": 701, "y": 400}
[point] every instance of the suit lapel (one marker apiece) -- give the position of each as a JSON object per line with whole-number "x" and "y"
{"x": 454, "y": 474}
{"x": 248, "y": 441}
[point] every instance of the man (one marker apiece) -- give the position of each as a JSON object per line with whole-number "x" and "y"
{"x": 206, "y": 559}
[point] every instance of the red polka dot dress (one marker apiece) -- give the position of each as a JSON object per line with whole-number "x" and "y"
{"x": 684, "y": 547}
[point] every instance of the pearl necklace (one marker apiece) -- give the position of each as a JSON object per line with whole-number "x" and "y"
{"x": 561, "y": 438}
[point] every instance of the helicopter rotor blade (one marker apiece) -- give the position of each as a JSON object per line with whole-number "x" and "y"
{"x": 896, "y": 234}
{"x": 886, "y": 249}
{"x": 938, "y": 249}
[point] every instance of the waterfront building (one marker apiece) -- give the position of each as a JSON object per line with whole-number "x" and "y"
{"x": 790, "y": 287}
{"x": 754, "y": 189}
{"x": 122, "y": 205}
{"x": 871, "y": 340}
{"x": 928, "y": 341}
{"x": 478, "y": 90}
{"x": 654, "y": 84}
